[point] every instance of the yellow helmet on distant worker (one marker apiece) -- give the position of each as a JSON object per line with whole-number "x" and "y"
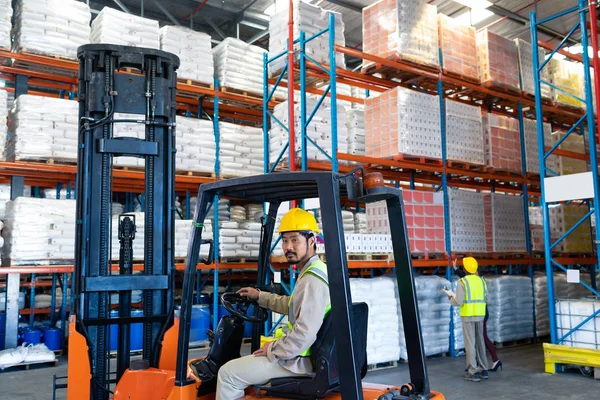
{"x": 297, "y": 220}
{"x": 470, "y": 265}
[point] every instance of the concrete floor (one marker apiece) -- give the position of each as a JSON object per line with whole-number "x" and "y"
{"x": 522, "y": 378}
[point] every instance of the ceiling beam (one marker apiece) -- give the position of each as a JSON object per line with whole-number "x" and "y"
{"x": 345, "y": 5}
{"x": 167, "y": 13}
{"x": 258, "y": 36}
{"x": 214, "y": 26}
{"x": 122, "y": 6}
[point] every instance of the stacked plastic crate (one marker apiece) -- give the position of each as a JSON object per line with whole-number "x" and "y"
{"x": 502, "y": 143}
{"x": 51, "y": 27}
{"x": 194, "y": 50}
{"x": 467, "y": 221}
{"x": 464, "y": 133}
{"x": 311, "y": 20}
{"x": 6, "y": 12}
{"x": 401, "y": 29}
{"x": 116, "y": 27}
{"x": 424, "y": 212}
{"x": 504, "y": 223}
{"x": 459, "y": 50}
{"x": 403, "y": 121}
{"x": 42, "y": 128}
{"x": 497, "y": 60}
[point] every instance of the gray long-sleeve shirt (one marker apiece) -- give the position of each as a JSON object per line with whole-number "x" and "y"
{"x": 310, "y": 300}
{"x": 459, "y": 299}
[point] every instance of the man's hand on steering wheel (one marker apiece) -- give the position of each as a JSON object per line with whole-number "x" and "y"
{"x": 249, "y": 292}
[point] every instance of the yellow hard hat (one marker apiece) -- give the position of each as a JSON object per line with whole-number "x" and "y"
{"x": 470, "y": 265}
{"x": 297, "y": 220}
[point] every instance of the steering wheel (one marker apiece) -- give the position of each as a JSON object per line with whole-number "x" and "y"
{"x": 230, "y": 299}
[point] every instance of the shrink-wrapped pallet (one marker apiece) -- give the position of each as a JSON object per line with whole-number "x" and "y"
{"x": 424, "y": 212}
{"x": 355, "y": 124}
{"x": 51, "y": 27}
{"x": 504, "y": 223}
{"x": 567, "y": 76}
{"x": 196, "y": 147}
{"x": 6, "y": 13}
{"x": 239, "y": 239}
{"x": 502, "y": 143}
{"x": 385, "y": 340}
{"x": 510, "y": 308}
{"x": 562, "y": 218}
{"x": 467, "y": 221}
{"x": 497, "y": 60}
{"x": 525, "y": 50}
{"x": 239, "y": 66}
{"x": 404, "y": 29}
{"x": 434, "y": 313}
{"x": 403, "y": 121}
{"x": 319, "y": 131}
{"x": 5, "y": 197}
{"x": 241, "y": 151}
{"x": 464, "y": 133}
{"x": 311, "y": 20}
{"x": 38, "y": 231}
{"x": 42, "y": 128}
{"x": 116, "y": 27}
{"x": 194, "y": 50}
{"x": 459, "y": 50}
{"x": 531, "y": 146}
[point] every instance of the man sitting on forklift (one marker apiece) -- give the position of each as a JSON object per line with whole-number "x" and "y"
{"x": 309, "y": 303}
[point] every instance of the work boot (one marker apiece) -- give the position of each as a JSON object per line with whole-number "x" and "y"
{"x": 471, "y": 377}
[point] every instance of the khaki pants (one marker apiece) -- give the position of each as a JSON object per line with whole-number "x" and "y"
{"x": 474, "y": 346}
{"x": 238, "y": 374}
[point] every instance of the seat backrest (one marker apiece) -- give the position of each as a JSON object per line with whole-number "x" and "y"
{"x": 324, "y": 346}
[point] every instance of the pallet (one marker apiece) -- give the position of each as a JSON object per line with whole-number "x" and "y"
{"x": 27, "y": 366}
{"x": 197, "y": 173}
{"x": 466, "y": 166}
{"x": 47, "y": 66}
{"x": 370, "y": 257}
{"x": 428, "y": 256}
{"x": 502, "y": 88}
{"x": 238, "y": 260}
{"x": 128, "y": 168}
{"x": 382, "y": 366}
{"x": 240, "y": 92}
{"x": 462, "y": 77}
{"x": 192, "y": 82}
{"x": 418, "y": 159}
{"x": 391, "y": 73}
{"x": 513, "y": 343}
{"x": 47, "y": 161}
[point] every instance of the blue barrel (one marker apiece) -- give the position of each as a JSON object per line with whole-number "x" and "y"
{"x": 204, "y": 298}
{"x": 223, "y": 312}
{"x": 32, "y": 336}
{"x": 53, "y": 338}
{"x": 137, "y": 332}
{"x": 2, "y": 330}
{"x": 200, "y": 322}
{"x": 248, "y": 325}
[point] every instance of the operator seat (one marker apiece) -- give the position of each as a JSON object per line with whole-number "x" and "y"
{"x": 323, "y": 356}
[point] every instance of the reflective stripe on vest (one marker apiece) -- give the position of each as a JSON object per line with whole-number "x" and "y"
{"x": 318, "y": 269}
{"x": 475, "y": 294}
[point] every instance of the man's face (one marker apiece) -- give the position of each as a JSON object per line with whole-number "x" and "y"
{"x": 295, "y": 246}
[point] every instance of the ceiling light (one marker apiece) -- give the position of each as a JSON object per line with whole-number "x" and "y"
{"x": 474, "y": 4}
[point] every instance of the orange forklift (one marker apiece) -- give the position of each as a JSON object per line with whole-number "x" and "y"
{"x": 165, "y": 370}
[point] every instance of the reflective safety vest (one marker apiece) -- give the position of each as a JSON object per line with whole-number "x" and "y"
{"x": 318, "y": 269}
{"x": 475, "y": 294}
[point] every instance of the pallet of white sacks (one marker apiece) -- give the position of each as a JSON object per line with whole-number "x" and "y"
{"x": 383, "y": 365}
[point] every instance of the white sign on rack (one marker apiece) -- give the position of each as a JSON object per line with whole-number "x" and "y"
{"x": 569, "y": 187}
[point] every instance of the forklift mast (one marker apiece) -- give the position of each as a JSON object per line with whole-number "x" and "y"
{"x": 123, "y": 80}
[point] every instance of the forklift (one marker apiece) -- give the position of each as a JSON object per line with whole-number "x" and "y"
{"x": 165, "y": 370}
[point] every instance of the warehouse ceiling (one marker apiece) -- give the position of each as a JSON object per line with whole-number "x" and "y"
{"x": 249, "y": 19}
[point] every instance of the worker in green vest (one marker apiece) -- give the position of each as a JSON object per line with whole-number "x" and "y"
{"x": 471, "y": 296}
{"x": 287, "y": 355}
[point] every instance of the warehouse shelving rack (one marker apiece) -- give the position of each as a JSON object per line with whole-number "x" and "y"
{"x": 587, "y": 119}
